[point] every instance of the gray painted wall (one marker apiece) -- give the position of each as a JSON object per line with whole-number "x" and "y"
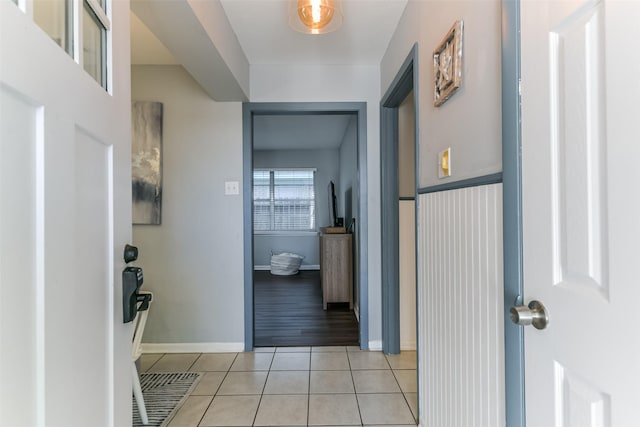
{"x": 347, "y": 194}
{"x": 348, "y": 172}
{"x": 406, "y": 147}
{"x": 470, "y": 121}
{"x": 326, "y": 163}
{"x": 193, "y": 262}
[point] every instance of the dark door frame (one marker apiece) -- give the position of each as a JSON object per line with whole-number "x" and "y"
{"x": 405, "y": 81}
{"x": 251, "y": 109}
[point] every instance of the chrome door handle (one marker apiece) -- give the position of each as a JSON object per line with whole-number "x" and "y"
{"x": 534, "y": 314}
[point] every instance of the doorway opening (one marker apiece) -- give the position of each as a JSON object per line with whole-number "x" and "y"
{"x": 325, "y": 142}
{"x": 398, "y": 166}
{"x": 399, "y": 177}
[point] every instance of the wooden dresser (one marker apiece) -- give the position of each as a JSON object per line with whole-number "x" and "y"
{"x": 336, "y": 268}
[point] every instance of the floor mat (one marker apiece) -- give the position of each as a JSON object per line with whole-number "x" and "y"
{"x": 163, "y": 394}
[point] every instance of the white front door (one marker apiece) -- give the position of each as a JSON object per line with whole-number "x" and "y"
{"x": 581, "y": 210}
{"x": 65, "y": 215}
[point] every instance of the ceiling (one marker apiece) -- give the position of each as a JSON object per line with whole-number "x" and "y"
{"x": 263, "y": 31}
{"x": 265, "y": 36}
{"x": 299, "y": 132}
{"x": 262, "y": 28}
{"x": 146, "y": 49}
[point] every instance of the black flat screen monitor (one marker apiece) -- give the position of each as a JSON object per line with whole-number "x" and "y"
{"x": 333, "y": 202}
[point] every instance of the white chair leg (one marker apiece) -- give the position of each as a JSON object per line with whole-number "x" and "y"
{"x": 137, "y": 392}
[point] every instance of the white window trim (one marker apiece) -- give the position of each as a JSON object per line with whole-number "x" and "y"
{"x": 103, "y": 18}
{"x": 313, "y": 232}
{"x": 27, "y": 7}
{"x": 285, "y": 233}
{"x": 100, "y": 13}
{"x": 286, "y": 169}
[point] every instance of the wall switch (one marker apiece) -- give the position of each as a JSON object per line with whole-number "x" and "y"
{"x": 444, "y": 163}
{"x": 231, "y": 188}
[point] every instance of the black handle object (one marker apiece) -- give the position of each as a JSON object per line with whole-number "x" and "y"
{"x": 131, "y": 282}
{"x": 130, "y": 253}
{"x": 144, "y": 299}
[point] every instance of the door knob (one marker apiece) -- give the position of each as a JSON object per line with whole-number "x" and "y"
{"x": 534, "y": 314}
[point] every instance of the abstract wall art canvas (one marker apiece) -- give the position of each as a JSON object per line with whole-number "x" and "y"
{"x": 146, "y": 161}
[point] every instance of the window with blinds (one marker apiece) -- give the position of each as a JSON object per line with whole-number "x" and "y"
{"x": 284, "y": 200}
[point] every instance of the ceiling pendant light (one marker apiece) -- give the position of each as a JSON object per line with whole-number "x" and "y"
{"x": 315, "y": 16}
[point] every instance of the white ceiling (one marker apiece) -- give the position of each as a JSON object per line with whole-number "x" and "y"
{"x": 146, "y": 49}
{"x": 265, "y": 36}
{"x": 299, "y": 132}
{"x": 264, "y": 33}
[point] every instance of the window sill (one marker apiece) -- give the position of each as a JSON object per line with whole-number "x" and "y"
{"x": 286, "y": 233}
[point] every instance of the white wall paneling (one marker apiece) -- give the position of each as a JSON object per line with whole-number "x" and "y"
{"x": 407, "y": 255}
{"x": 460, "y": 295}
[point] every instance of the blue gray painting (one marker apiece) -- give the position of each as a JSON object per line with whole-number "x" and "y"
{"x": 146, "y": 161}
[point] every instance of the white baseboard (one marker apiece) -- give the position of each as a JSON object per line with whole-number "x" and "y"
{"x": 302, "y": 267}
{"x": 193, "y": 347}
{"x": 375, "y": 345}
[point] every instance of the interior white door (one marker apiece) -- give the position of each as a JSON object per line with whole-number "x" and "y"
{"x": 581, "y": 210}
{"x": 65, "y": 215}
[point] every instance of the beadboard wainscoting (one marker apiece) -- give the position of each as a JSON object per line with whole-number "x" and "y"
{"x": 461, "y": 349}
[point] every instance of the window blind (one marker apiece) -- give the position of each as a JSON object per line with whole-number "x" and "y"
{"x": 284, "y": 200}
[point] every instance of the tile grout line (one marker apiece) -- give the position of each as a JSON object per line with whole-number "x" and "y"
{"x": 264, "y": 386}
{"x": 355, "y": 392}
{"x": 215, "y": 393}
{"x": 404, "y": 396}
{"x": 308, "y": 391}
{"x": 309, "y": 388}
{"x": 153, "y": 364}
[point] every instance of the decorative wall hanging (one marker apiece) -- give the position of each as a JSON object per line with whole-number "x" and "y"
{"x": 146, "y": 161}
{"x": 447, "y": 65}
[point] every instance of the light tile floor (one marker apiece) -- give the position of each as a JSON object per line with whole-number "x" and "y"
{"x": 295, "y": 386}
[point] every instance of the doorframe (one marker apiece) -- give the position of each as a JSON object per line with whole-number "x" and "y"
{"x": 405, "y": 81}
{"x": 251, "y": 109}
{"x": 512, "y": 212}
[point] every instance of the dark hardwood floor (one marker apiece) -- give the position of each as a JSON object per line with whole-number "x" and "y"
{"x": 288, "y": 312}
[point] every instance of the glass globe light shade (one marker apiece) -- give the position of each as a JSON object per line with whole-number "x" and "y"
{"x": 315, "y": 16}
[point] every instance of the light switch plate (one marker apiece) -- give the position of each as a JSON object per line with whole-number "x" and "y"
{"x": 231, "y": 188}
{"x": 444, "y": 163}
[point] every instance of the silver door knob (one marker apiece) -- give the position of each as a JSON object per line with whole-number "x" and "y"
{"x": 533, "y": 314}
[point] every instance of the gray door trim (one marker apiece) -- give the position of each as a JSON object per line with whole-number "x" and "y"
{"x": 390, "y": 264}
{"x": 406, "y": 80}
{"x": 512, "y": 212}
{"x": 477, "y": 181}
{"x": 249, "y": 110}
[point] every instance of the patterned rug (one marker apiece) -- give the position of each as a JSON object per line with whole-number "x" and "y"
{"x": 163, "y": 394}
